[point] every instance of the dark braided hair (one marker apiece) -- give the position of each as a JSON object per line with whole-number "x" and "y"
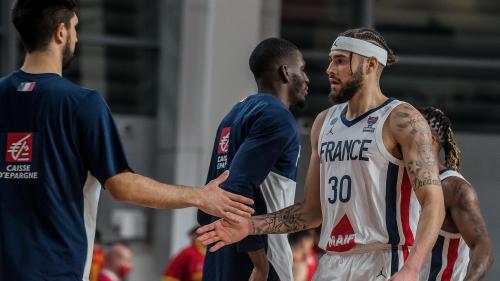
{"x": 374, "y": 37}
{"x": 441, "y": 125}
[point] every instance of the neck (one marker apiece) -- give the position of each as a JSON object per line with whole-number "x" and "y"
{"x": 368, "y": 97}
{"x": 441, "y": 166}
{"x": 277, "y": 91}
{"x": 42, "y": 62}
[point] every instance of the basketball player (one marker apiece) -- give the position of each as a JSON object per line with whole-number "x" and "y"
{"x": 371, "y": 165}
{"x": 53, "y": 133}
{"x": 259, "y": 142}
{"x": 463, "y": 250}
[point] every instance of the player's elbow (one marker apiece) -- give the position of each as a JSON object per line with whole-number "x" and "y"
{"x": 117, "y": 186}
{"x": 118, "y": 195}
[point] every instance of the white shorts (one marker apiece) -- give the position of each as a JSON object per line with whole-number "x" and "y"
{"x": 377, "y": 265}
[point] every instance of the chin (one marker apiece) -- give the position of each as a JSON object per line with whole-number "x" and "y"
{"x": 300, "y": 104}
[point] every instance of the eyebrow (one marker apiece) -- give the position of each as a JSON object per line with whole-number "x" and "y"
{"x": 339, "y": 56}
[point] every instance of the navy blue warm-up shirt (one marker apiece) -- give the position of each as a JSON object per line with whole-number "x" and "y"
{"x": 58, "y": 141}
{"x": 259, "y": 142}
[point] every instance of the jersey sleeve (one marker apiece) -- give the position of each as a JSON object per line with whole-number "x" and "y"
{"x": 98, "y": 139}
{"x": 269, "y": 135}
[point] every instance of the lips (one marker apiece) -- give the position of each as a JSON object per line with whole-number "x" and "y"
{"x": 334, "y": 81}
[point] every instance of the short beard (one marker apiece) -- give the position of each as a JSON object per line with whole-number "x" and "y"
{"x": 297, "y": 85}
{"x": 350, "y": 89}
{"x": 67, "y": 55}
{"x": 300, "y": 105}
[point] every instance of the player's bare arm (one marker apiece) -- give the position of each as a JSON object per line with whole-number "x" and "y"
{"x": 260, "y": 265}
{"x": 303, "y": 215}
{"x": 139, "y": 190}
{"x": 466, "y": 215}
{"x": 413, "y": 136}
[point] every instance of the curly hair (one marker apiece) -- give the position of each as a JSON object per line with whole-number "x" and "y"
{"x": 441, "y": 125}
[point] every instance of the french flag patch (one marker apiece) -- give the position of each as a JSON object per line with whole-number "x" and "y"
{"x": 26, "y": 87}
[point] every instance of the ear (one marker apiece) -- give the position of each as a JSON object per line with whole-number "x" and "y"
{"x": 435, "y": 140}
{"x": 372, "y": 65}
{"x": 283, "y": 72}
{"x": 60, "y": 34}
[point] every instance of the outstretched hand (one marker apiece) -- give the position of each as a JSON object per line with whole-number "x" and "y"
{"x": 217, "y": 202}
{"x": 231, "y": 229}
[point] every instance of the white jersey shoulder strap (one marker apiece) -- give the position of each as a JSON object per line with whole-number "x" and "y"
{"x": 450, "y": 173}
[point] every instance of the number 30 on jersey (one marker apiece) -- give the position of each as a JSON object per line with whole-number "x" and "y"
{"x": 341, "y": 189}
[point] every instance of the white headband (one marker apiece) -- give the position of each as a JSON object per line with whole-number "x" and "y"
{"x": 360, "y": 47}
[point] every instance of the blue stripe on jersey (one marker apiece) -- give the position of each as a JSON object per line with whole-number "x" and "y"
{"x": 437, "y": 258}
{"x": 394, "y": 260}
{"x": 349, "y": 123}
{"x": 390, "y": 204}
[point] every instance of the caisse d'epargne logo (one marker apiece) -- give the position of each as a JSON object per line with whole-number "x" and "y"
{"x": 19, "y": 147}
{"x": 19, "y": 157}
{"x": 223, "y": 147}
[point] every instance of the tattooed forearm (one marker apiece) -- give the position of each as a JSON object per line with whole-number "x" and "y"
{"x": 416, "y": 138}
{"x": 466, "y": 215}
{"x": 290, "y": 219}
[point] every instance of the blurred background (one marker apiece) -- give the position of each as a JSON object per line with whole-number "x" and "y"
{"x": 171, "y": 69}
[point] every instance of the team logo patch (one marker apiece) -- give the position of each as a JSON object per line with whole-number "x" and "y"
{"x": 371, "y": 121}
{"x": 342, "y": 238}
{"x": 19, "y": 147}
{"x": 223, "y": 147}
{"x": 26, "y": 87}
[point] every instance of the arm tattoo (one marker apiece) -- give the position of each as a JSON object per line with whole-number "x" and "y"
{"x": 466, "y": 214}
{"x": 290, "y": 219}
{"x": 421, "y": 165}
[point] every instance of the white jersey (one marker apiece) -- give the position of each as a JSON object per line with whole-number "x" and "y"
{"x": 366, "y": 196}
{"x": 450, "y": 255}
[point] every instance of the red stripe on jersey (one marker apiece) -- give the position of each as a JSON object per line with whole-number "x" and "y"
{"x": 406, "y": 253}
{"x": 31, "y": 86}
{"x": 452, "y": 258}
{"x": 405, "y": 209}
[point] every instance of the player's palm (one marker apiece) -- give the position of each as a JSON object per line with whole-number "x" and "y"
{"x": 224, "y": 231}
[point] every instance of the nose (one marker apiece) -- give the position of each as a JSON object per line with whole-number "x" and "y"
{"x": 329, "y": 69}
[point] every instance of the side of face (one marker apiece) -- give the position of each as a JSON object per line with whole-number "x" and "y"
{"x": 66, "y": 39}
{"x": 344, "y": 84}
{"x": 72, "y": 33}
{"x": 298, "y": 79}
